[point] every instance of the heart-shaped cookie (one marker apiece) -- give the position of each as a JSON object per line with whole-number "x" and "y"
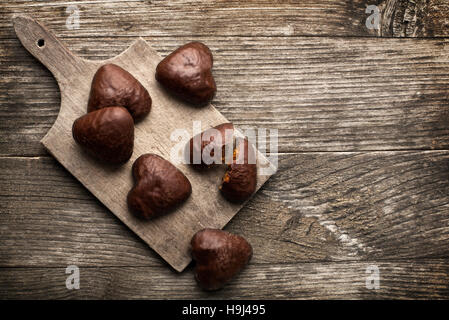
{"x": 219, "y": 256}
{"x": 114, "y": 86}
{"x": 217, "y": 145}
{"x": 240, "y": 179}
{"x": 187, "y": 73}
{"x": 209, "y": 146}
{"x": 159, "y": 187}
{"x": 107, "y": 134}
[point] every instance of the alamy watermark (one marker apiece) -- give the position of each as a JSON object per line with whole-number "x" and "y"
{"x": 202, "y": 150}
{"x": 372, "y": 280}
{"x": 73, "y": 280}
{"x": 73, "y": 20}
{"x": 373, "y": 21}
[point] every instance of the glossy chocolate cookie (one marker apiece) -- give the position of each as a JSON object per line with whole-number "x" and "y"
{"x": 187, "y": 73}
{"x": 240, "y": 179}
{"x": 106, "y": 134}
{"x": 219, "y": 257}
{"x": 114, "y": 86}
{"x": 159, "y": 187}
{"x": 210, "y": 145}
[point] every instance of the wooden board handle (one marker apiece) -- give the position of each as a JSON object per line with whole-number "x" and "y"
{"x": 46, "y": 47}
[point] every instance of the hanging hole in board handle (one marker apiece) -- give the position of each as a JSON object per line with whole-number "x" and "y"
{"x": 41, "y": 43}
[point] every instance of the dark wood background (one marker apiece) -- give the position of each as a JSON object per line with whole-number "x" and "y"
{"x": 363, "y": 120}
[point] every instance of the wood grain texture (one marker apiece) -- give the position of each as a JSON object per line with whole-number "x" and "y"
{"x": 322, "y": 94}
{"x": 398, "y": 279}
{"x": 400, "y": 18}
{"x": 321, "y": 220}
{"x": 415, "y": 18}
{"x": 169, "y": 235}
{"x": 318, "y": 207}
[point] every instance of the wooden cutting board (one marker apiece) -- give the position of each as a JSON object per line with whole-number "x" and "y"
{"x": 169, "y": 235}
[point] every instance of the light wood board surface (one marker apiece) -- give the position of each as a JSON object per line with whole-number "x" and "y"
{"x": 364, "y": 160}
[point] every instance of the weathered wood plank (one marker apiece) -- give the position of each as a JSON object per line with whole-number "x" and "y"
{"x": 427, "y": 279}
{"x": 318, "y": 207}
{"x": 417, "y": 18}
{"x": 323, "y": 94}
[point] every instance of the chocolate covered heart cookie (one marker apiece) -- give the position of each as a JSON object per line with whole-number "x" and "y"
{"x": 209, "y": 146}
{"x": 240, "y": 179}
{"x": 187, "y": 73}
{"x": 219, "y": 145}
{"x": 114, "y": 86}
{"x": 219, "y": 256}
{"x": 159, "y": 187}
{"x": 106, "y": 134}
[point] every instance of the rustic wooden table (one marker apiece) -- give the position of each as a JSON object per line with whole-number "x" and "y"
{"x": 363, "y": 120}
